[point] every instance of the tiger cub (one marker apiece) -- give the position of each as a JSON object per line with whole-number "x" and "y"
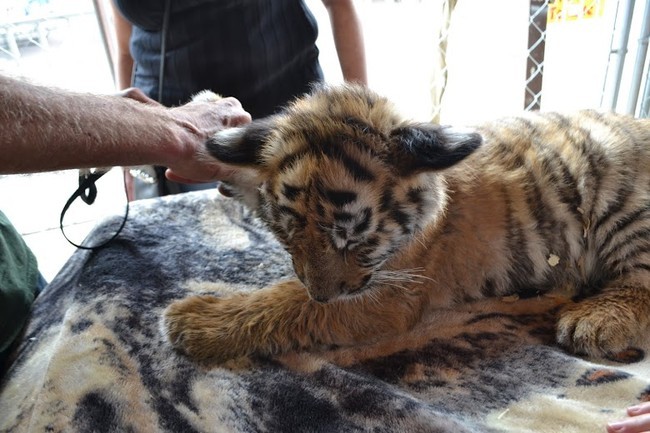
{"x": 386, "y": 220}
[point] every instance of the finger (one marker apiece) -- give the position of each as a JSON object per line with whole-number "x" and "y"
{"x": 169, "y": 174}
{"x": 639, "y": 409}
{"x": 218, "y": 173}
{"x": 636, "y": 424}
{"x": 137, "y": 95}
{"x": 238, "y": 118}
{"x": 233, "y": 102}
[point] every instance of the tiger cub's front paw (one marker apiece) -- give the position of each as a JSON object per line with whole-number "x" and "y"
{"x": 206, "y": 329}
{"x": 605, "y": 325}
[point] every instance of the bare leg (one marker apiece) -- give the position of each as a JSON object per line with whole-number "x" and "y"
{"x": 283, "y": 318}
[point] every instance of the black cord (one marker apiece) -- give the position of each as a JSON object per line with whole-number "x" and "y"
{"x": 87, "y": 191}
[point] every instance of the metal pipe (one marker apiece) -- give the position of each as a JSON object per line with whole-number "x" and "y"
{"x": 617, "y": 55}
{"x": 639, "y": 64}
{"x": 102, "y": 21}
{"x": 645, "y": 99}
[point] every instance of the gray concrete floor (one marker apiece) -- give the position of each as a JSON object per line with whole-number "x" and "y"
{"x": 33, "y": 203}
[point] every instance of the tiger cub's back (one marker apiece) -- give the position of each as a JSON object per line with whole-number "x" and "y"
{"x": 578, "y": 192}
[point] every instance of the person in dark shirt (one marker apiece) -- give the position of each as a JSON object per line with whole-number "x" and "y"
{"x": 262, "y": 52}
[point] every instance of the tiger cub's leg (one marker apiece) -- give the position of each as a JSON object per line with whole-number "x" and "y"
{"x": 607, "y": 323}
{"x": 279, "y": 319}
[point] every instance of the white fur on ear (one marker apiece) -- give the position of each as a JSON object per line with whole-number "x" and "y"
{"x": 206, "y": 96}
{"x": 458, "y": 135}
{"x": 228, "y": 137}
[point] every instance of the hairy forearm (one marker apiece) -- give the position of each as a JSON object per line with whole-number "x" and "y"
{"x": 44, "y": 129}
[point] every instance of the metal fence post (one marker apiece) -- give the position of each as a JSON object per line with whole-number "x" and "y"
{"x": 535, "y": 61}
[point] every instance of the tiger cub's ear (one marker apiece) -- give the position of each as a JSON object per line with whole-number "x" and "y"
{"x": 422, "y": 147}
{"x": 241, "y": 145}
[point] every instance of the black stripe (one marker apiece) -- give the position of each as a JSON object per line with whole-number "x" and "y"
{"x": 340, "y": 198}
{"x": 286, "y": 210}
{"x": 363, "y": 126}
{"x": 622, "y": 262}
{"x": 365, "y": 222}
{"x": 521, "y": 266}
{"x": 488, "y": 289}
{"x": 597, "y": 164}
{"x": 540, "y": 211}
{"x": 620, "y": 225}
{"x": 636, "y": 236}
{"x": 638, "y": 266}
{"x": 403, "y": 219}
{"x": 415, "y": 196}
{"x": 343, "y": 216}
{"x": 386, "y": 199}
{"x": 368, "y": 247}
{"x": 562, "y": 178}
{"x": 332, "y": 149}
{"x": 289, "y": 160}
{"x": 389, "y": 205}
{"x": 509, "y": 159}
{"x": 358, "y": 171}
{"x": 371, "y": 242}
{"x": 616, "y": 205}
{"x": 290, "y": 192}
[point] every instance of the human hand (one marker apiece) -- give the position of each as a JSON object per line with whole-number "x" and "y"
{"x": 199, "y": 120}
{"x": 639, "y": 420}
{"x": 137, "y": 95}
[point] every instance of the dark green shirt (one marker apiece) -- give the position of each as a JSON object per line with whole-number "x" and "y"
{"x": 19, "y": 278}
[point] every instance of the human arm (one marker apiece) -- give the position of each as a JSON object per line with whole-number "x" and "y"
{"x": 348, "y": 39}
{"x": 124, "y": 61}
{"x": 47, "y": 129}
{"x": 639, "y": 420}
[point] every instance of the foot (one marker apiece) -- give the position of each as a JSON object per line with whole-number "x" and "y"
{"x": 605, "y": 324}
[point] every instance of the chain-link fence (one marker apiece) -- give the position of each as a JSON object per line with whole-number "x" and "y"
{"x": 624, "y": 93}
{"x": 535, "y": 60}
{"x": 542, "y": 11}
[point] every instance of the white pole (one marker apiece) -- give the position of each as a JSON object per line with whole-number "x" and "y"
{"x": 639, "y": 65}
{"x": 617, "y": 54}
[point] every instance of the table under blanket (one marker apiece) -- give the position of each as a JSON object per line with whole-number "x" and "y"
{"x": 93, "y": 358}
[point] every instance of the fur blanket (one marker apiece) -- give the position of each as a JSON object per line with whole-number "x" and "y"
{"x": 94, "y": 360}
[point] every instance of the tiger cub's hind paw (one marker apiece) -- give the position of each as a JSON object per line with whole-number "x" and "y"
{"x": 606, "y": 325}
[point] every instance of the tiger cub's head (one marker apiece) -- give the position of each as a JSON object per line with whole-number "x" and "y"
{"x": 342, "y": 181}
